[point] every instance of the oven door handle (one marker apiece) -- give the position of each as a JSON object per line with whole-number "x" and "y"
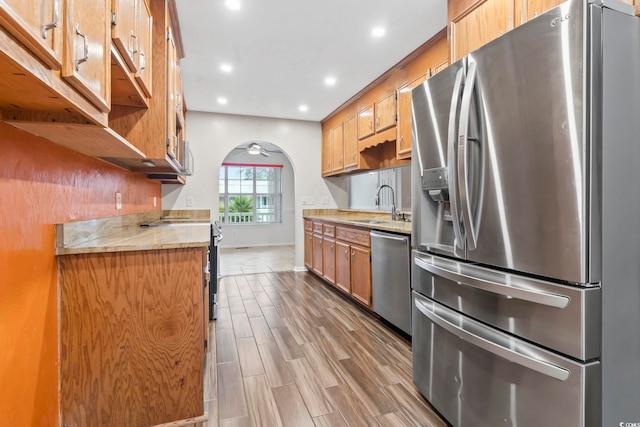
{"x": 532, "y": 363}
{"x": 509, "y": 291}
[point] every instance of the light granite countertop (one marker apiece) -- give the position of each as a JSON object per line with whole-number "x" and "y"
{"x": 373, "y": 220}
{"x": 124, "y": 233}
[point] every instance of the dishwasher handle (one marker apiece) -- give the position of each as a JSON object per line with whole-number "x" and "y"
{"x": 388, "y": 236}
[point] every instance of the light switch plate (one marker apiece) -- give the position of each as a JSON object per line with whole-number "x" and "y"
{"x": 118, "y": 200}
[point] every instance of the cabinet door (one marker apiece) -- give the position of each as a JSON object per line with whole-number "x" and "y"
{"x": 329, "y": 260}
{"x": 487, "y": 20}
{"x": 337, "y": 149}
{"x": 386, "y": 113}
{"x": 172, "y": 99}
{"x": 403, "y": 141}
{"x": 87, "y": 54}
{"x": 343, "y": 266}
{"x": 144, "y": 25}
{"x": 361, "y": 274}
{"x": 317, "y": 254}
{"x": 123, "y": 30}
{"x": 37, "y": 24}
{"x": 365, "y": 122}
{"x": 326, "y": 153}
{"x": 350, "y": 143}
{"x": 308, "y": 250}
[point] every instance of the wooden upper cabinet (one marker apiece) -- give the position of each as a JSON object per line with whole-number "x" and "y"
{"x": 337, "y": 149}
{"x": 123, "y": 30}
{"x": 403, "y": 141}
{"x": 350, "y": 143}
{"x": 87, "y": 58}
{"x": 478, "y": 24}
{"x": 529, "y": 9}
{"x": 38, "y": 25}
{"x": 385, "y": 112}
{"x": 326, "y": 153}
{"x": 366, "y": 122}
{"x": 172, "y": 96}
{"x": 142, "y": 58}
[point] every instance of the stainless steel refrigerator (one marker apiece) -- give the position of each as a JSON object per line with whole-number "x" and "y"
{"x": 526, "y": 229}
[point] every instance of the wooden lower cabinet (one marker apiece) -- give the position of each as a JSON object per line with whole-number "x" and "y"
{"x": 317, "y": 254}
{"x": 342, "y": 257}
{"x": 308, "y": 250}
{"x": 361, "y": 275}
{"x": 329, "y": 260}
{"x": 343, "y": 266}
{"x": 132, "y": 337}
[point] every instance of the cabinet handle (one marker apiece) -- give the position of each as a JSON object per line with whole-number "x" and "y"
{"x": 353, "y": 254}
{"x": 143, "y": 61}
{"x": 354, "y": 156}
{"x": 370, "y": 125}
{"x": 402, "y": 141}
{"x": 133, "y": 44}
{"x": 378, "y": 122}
{"x": 54, "y": 24}
{"x": 85, "y": 41}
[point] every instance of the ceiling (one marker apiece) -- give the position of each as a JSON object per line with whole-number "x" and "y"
{"x": 282, "y": 51}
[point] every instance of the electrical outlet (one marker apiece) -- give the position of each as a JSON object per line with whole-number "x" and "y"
{"x": 308, "y": 201}
{"x": 155, "y": 201}
{"x": 118, "y": 200}
{"x": 324, "y": 200}
{"x": 189, "y": 201}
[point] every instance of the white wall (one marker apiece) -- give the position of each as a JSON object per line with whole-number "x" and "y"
{"x": 213, "y": 136}
{"x": 239, "y": 235}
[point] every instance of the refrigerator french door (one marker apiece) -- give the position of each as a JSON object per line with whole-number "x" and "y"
{"x": 521, "y": 157}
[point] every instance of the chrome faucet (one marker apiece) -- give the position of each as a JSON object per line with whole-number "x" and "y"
{"x": 394, "y": 215}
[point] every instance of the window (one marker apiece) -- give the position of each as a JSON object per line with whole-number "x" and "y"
{"x": 250, "y": 194}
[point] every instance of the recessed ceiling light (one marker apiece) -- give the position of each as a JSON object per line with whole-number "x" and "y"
{"x": 378, "y": 32}
{"x": 330, "y": 81}
{"x": 233, "y": 4}
{"x": 222, "y": 100}
{"x": 226, "y": 68}
{"x": 303, "y": 108}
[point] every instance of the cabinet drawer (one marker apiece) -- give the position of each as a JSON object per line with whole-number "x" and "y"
{"x": 354, "y": 235}
{"x": 329, "y": 230}
{"x": 317, "y": 227}
{"x": 308, "y": 225}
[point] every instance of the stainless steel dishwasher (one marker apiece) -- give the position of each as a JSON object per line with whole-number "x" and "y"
{"x": 390, "y": 267}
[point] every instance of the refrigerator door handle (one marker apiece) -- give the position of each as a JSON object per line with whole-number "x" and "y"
{"x": 530, "y": 294}
{"x": 463, "y": 161}
{"x": 529, "y": 362}
{"x": 451, "y": 161}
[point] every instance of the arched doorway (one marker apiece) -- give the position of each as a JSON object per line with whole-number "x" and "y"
{"x": 256, "y": 206}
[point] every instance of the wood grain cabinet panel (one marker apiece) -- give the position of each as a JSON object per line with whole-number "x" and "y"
{"x": 87, "y": 59}
{"x": 337, "y": 149}
{"x": 366, "y": 122}
{"x": 477, "y": 25}
{"x": 405, "y": 123}
{"x": 308, "y": 250}
{"x": 351, "y": 143}
{"x": 343, "y": 266}
{"x": 326, "y": 153}
{"x": 361, "y": 287}
{"x": 386, "y": 113}
{"x": 329, "y": 259}
{"x": 132, "y": 337}
{"x": 143, "y": 56}
{"x": 38, "y": 25}
{"x": 123, "y": 30}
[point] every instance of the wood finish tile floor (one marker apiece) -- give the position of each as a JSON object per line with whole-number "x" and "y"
{"x": 288, "y": 351}
{"x": 257, "y": 259}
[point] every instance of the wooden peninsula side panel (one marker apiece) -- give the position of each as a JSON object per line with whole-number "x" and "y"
{"x": 132, "y": 339}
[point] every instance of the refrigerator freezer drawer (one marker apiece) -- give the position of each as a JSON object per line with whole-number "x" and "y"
{"x": 480, "y": 377}
{"x": 563, "y": 318}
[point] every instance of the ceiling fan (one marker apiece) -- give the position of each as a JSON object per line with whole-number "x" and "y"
{"x": 255, "y": 148}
